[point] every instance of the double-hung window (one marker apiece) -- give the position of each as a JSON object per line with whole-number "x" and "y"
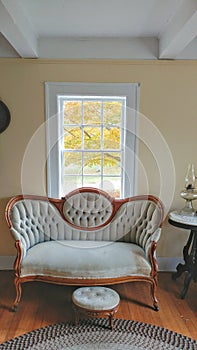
{"x": 91, "y": 137}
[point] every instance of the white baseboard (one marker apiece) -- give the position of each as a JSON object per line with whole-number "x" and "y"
{"x": 165, "y": 263}
{"x": 168, "y": 263}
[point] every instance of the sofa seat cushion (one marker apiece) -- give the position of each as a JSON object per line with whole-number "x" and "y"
{"x": 85, "y": 259}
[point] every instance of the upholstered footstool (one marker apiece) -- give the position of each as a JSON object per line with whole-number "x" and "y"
{"x": 95, "y": 302}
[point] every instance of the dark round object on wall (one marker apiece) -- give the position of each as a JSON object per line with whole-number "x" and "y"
{"x": 4, "y": 116}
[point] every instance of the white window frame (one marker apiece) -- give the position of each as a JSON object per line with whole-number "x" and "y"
{"x": 54, "y": 129}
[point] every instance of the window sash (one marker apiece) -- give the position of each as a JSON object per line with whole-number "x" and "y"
{"x": 101, "y": 125}
{"x": 54, "y": 130}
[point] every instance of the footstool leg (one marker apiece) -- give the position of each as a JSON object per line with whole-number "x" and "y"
{"x": 111, "y": 322}
{"x": 111, "y": 315}
{"x": 76, "y": 316}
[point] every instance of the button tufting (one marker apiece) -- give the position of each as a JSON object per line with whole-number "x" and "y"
{"x": 96, "y": 298}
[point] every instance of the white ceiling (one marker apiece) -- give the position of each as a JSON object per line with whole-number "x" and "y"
{"x": 132, "y": 29}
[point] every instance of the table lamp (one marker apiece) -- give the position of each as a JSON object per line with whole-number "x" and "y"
{"x": 189, "y": 193}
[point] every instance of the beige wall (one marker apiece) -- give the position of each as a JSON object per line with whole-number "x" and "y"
{"x": 168, "y": 98}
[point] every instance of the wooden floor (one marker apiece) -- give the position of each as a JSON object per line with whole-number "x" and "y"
{"x": 43, "y": 304}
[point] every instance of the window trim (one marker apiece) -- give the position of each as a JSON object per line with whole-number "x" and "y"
{"x": 54, "y": 132}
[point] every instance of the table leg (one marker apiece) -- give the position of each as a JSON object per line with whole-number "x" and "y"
{"x": 187, "y": 281}
{"x": 190, "y": 265}
{"x": 194, "y": 258}
{"x": 184, "y": 267}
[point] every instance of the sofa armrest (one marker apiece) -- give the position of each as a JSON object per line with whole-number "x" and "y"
{"x": 18, "y": 238}
{"x": 152, "y": 240}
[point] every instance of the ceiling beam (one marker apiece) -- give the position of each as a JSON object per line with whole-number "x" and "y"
{"x": 180, "y": 31}
{"x": 16, "y": 29}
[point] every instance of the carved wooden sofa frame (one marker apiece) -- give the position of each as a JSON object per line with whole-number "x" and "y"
{"x": 86, "y": 238}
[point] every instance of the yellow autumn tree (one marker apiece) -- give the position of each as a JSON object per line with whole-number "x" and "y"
{"x": 98, "y": 129}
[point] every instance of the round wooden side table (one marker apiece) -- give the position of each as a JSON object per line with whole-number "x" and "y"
{"x": 95, "y": 302}
{"x": 189, "y": 250}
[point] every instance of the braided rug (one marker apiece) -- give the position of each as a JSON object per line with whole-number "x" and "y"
{"x": 94, "y": 334}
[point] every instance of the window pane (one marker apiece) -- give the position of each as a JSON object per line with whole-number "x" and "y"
{"x": 92, "y": 137}
{"x": 72, "y": 112}
{"x": 112, "y": 111}
{"x": 111, "y": 138}
{"x": 92, "y": 112}
{"x": 92, "y": 181}
{"x": 92, "y": 163}
{"x": 71, "y": 183}
{"x": 112, "y": 185}
{"x": 111, "y": 163}
{"x": 72, "y": 163}
{"x": 72, "y": 137}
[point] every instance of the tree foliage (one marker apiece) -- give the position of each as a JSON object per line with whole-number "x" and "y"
{"x": 99, "y": 128}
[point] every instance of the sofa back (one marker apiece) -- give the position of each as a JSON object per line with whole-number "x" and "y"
{"x": 89, "y": 209}
{"x": 85, "y": 214}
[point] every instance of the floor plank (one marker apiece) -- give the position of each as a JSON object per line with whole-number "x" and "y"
{"x": 43, "y": 304}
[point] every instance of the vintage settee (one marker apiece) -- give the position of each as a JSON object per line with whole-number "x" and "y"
{"x": 85, "y": 238}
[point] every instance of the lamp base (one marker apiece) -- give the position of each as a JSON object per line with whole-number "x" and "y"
{"x": 189, "y": 196}
{"x": 188, "y": 212}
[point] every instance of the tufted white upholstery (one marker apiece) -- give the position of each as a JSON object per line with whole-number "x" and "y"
{"x": 87, "y": 209}
{"x": 36, "y": 221}
{"x": 95, "y": 298}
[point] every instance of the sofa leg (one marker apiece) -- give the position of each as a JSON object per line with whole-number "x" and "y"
{"x": 153, "y": 292}
{"x": 18, "y": 294}
{"x": 156, "y": 307}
